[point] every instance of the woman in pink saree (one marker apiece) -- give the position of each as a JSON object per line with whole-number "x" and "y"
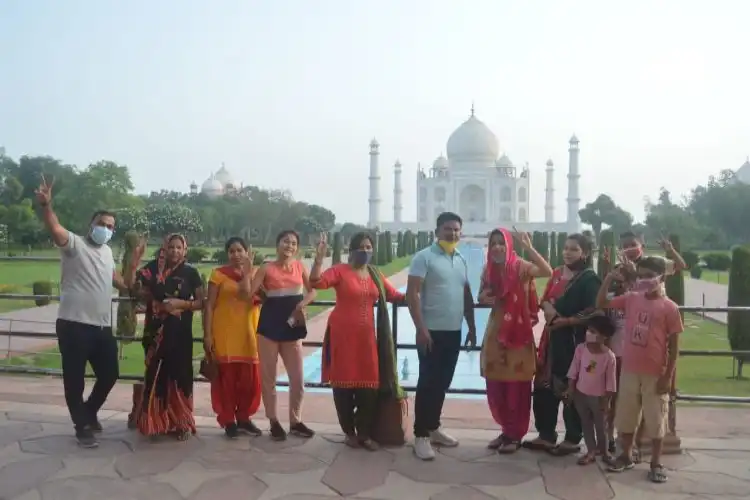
{"x": 508, "y": 359}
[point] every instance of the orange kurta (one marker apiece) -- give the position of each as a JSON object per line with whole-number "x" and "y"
{"x": 350, "y": 358}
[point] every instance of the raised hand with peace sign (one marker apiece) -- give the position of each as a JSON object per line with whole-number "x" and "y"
{"x": 44, "y": 191}
{"x": 322, "y": 248}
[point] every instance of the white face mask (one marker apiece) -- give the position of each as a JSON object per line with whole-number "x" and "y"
{"x": 591, "y": 338}
{"x": 101, "y": 235}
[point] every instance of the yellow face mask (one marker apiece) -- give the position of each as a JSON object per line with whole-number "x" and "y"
{"x": 448, "y": 246}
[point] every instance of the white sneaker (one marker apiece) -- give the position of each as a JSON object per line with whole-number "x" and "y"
{"x": 440, "y": 438}
{"x": 423, "y": 449}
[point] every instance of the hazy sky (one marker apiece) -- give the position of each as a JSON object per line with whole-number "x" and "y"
{"x": 289, "y": 93}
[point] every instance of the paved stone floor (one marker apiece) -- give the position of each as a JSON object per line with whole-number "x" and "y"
{"x": 39, "y": 460}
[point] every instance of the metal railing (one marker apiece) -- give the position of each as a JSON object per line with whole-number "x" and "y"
{"x": 9, "y": 368}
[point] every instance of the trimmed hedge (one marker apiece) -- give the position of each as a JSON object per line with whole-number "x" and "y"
{"x": 42, "y": 288}
{"x": 336, "y": 254}
{"x": 738, "y": 324}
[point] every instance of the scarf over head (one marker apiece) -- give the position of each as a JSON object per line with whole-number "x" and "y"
{"x": 163, "y": 269}
{"x": 519, "y": 307}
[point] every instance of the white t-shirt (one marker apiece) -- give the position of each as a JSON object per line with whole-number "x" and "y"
{"x": 86, "y": 284}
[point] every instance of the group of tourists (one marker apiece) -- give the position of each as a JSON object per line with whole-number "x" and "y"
{"x": 606, "y": 355}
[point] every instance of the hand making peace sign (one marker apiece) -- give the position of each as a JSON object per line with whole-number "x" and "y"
{"x": 322, "y": 249}
{"x": 44, "y": 191}
{"x": 522, "y": 238}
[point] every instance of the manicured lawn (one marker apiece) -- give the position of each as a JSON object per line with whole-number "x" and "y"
{"x": 721, "y": 277}
{"x": 132, "y": 360}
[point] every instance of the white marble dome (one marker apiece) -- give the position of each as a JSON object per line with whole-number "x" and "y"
{"x": 473, "y": 141}
{"x": 224, "y": 177}
{"x": 440, "y": 163}
{"x": 212, "y": 187}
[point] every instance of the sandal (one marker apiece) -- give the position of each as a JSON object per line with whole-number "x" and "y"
{"x": 620, "y": 464}
{"x": 538, "y": 444}
{"x": 369, "y": 445}
{"x": 564, "y": 449}
{"x": 587, "y": 459}
{"x": 508, "y": 447}
{"x": 183, "y": 435}
{"x": 636, "y": 455}
{"x": 656, "y": 474}
{"x": 351, "y": 441}
{"x": 496, "y": 443}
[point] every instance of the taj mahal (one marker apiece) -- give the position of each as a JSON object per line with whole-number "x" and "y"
{"x": 477, "y": 182}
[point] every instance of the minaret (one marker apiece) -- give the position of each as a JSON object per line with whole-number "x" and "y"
{"x": 373, "y": 220}
{"x": 397, "y": 205}
{"x": 574, "y": 202}
{"x": 549, "y": 191}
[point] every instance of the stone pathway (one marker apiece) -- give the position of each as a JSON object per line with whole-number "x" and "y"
{"x": 39, "y": 459}
{"x": 705, "y": 293}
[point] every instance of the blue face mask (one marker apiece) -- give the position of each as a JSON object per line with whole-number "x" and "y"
{"x": 101, "y": 235}
{"x": 361, "y": 257}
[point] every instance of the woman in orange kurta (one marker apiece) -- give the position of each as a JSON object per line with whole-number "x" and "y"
{"x": 230, "y": 340}
{"x": 350, "y": 352}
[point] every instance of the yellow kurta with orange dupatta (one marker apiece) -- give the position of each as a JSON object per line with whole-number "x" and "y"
{"x": 234, "y": 320}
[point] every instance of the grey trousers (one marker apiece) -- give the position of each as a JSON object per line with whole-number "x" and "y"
{"x": 593, "y": 421}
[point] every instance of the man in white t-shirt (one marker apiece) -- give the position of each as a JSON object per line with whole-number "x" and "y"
{"x": 84, "y": 320}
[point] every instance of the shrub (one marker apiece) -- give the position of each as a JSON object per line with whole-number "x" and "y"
{"x": 309, "y": 254}
{"x": 717, "y": 261}
{"x": 220, "y": 256}
{"x": 196, "y": 254}
{"x": 696, "y": 272}
{"x": 675, "y": 284}
{"x": 389, "y": 246}
{"x": 260, "y": 258}
{"x": 554, "y": 253}
{"x": 738, "y": 324}
{"x": 561, "y": 238}
{"x": 691, "y": 259}
{"x": 382, "y": 249}
{"x": 42, "y": 288}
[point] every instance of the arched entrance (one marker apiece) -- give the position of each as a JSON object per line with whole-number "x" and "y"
{"x": 472, "y": 204}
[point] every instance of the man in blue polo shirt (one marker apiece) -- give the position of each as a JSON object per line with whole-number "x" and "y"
{"x": 439, "y": 299}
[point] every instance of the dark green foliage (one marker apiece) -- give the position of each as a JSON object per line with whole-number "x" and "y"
{"x": 606, "y": 245}
{"x": 220, "y": 256}
{"x": 554, "y": 257}
{"x": 382, "y": 249}
{"x": 408, "y": 243}
{"x": 196, "y": 254}
{"x": 675, "y": 284}
{"x": 738, "y": 324}
{"x": 544, "y": 245}
{"x": 399, "y": 244}
{"x": 388, "y": 247}
{"x": 691, "y": 258}
{"x": 561, "y": 238}
{"x": 336, "y": 254}
{"x": 717, "y": 261}
{"x": 696, "y": 272}
{"x": 375, "y": 246}
{"x": 259, "y": 258}
{"x": 42, "y": 288}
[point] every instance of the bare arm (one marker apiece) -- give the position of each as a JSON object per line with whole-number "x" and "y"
{"x": 60, "y": 235}
{"x": 469, "y": 308}
{"x": 540, "y": 268}
{"x": 119, "y": 282}
{"x": 310, "y": 292}
{"x": 413, "y": 301}
{"x": 673, "y": 348}
{"x": 249, "y": 287}
{"x": 316, "y": 271}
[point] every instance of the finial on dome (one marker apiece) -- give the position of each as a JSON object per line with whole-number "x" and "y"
{"x": 472, "y": 108}
{"x": 549, "y": 162}
{"x": 397, "y": 165}
{"x": 573, "y": 139}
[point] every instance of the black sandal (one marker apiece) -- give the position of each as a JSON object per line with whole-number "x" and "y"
{"x": 656, "y": 474}
{"x": 496, "y": 443}
{"x": 563, "y": 450}
{"x": 538, "y": 444}
{"x": 509, "y": 447}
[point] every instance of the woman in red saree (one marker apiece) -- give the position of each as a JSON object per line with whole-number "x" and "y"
{"x": 508, "y": 358}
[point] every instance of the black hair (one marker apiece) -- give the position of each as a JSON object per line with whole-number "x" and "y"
{"x": 448, "y": 217}
{"x": 357, "y": 240}
{"x": 630, "y": 235}
{"x": 100, "y": 213}
{"x": 586, "y": 246}
{"x": 287, "y": 232}
{"x": 602, "y": 324}
{"x": 653, "y": 263}
{"x": 234, "y": 239}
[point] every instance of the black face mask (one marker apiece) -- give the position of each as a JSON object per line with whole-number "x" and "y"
{"x": 577, "y": 265}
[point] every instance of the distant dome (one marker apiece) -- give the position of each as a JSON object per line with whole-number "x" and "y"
{"x": 223, "y": 176}
{"x": 212, "y": 187}
{"x": 473, "y": 141}
{"x": 504, "y": 161}
{"x": 440, "y": 163}
{"x": 743, "y": 173}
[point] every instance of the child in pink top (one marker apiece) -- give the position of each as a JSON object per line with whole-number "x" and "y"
{"x": 652, "y": 327}
{"x": 591, "y": 383}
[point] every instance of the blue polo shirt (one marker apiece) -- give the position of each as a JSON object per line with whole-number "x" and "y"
{"x": 442, "y": 295}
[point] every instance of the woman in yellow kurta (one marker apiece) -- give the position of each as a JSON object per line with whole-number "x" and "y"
{"x": 230, "y": 341}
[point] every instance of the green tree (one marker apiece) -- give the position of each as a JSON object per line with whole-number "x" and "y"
{"x": 604, "y": 211}
{"x": 167, "y": 219}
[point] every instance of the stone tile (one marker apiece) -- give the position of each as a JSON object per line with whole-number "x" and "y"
{"x": 738, "y": 468}
{"x": 265, "y": 443}
{"x": 87, "y": 466}
{"x": 12, "y": 453}
{"x": 397, "y": 486}
{"x": 148, "y": 462}
{"x": 320, "y": 448}
{"x": 17, "y": 478}
{"x": 29, "y": 495}
{"x": 237, "y": 486}
{"x": 355, "y": 471}
{"x": 530, "y": 490}
{"x": 10, "y": 432}
{"x": 284, "y": 485}
{"x": 627, "y": 492}
{"x": 448, "y": 470}
{"x": 187, "y": 477}
{"x": 468, "y": 451}
{"x": 589, "y": 483}
{"x": 51, "y": 418}
{"x": 97, "y": 488}
{"x": 462, "y": 493}
{"x": 254, "y": 461}
{"x": 66, "y": 445}
{"x": 684, "y": 482}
